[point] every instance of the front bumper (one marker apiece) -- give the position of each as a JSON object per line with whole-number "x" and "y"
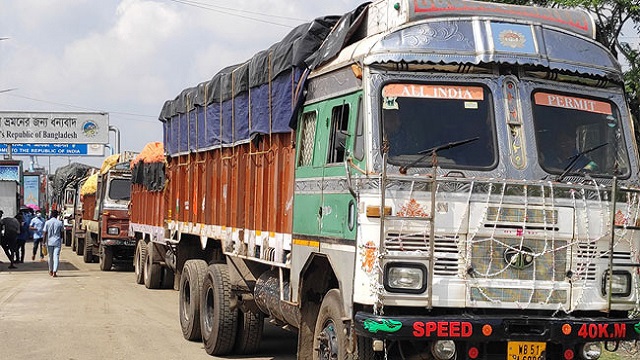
{"x": 567, "y": 331}
{"x": 119, "y": 242}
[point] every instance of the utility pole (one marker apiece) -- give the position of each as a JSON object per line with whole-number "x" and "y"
{"x": 116, "y": 131}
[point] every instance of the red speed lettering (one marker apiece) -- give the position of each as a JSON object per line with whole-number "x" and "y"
{"x": 593, "y": 331}
{"x": 454, "y": 329}
{"x": 619, "y": 330}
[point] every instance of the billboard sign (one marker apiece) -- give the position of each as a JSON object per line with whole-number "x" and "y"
{"x": 31, "y": 189}
{"x": 10, "y": 172}
{"x": 54, "y": 128}
{"x": 54, "y": 149}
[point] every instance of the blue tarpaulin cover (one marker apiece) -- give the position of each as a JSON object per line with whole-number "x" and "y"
{"x": 241, "y": 101}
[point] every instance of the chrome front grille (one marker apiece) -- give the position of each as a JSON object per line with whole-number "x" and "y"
{"x": 548, "y": 261}
{"x": 447, "y": 259}
{"x": 585, "y": 265}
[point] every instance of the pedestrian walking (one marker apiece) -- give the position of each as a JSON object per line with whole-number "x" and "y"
{"x": 22, "y": 238}
{"x": 37, "y": 226}
{"x": 53, "y": 238}
{"x": 10, "y": 228}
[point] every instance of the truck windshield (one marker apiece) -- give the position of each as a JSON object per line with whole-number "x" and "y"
{"x": 120, "y": 189}
{"x": 578, "y": 135}
{"x": 416, "y": 117}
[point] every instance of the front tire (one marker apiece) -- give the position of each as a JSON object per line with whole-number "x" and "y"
{"x": 218, "y": 322}
{"x": 80, "y": 246}
{"x": 330, "y": 339}
{"x": 67, "y": 237}
{"x": 87, "y": 256}
{"x": 106, "y": 258}
{"x": 193, "y": 274}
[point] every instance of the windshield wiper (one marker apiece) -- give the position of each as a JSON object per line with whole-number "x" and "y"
{"x": 575, "y": 158}
{"x": 433, "y": 150}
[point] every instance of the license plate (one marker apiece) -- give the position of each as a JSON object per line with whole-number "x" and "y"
{"x": 526, "y": 350}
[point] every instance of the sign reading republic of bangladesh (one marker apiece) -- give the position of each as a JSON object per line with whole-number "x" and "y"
{"x": 54, "y": 128}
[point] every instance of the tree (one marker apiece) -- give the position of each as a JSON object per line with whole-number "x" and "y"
{"x": 612, "y": 17}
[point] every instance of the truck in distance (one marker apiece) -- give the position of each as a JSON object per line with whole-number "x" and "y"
{"x": 105, "y": 198}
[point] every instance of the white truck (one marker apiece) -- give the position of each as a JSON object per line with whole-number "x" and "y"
{"x": 392, "y": 184}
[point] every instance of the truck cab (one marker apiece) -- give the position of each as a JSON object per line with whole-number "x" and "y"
{"x": 68, "y": 214}
{"x": 107, "y": 218}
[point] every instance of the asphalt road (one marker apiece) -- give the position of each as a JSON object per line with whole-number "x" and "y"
{"x": 85, "y": 313}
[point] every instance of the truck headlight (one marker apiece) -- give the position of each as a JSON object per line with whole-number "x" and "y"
{"x": 113, "y": 230}
{"x": 592, "y": 350}
{"x": 620, "y": 283}
{"x": 405, "y": 277}
{"x": 443, "y": 349}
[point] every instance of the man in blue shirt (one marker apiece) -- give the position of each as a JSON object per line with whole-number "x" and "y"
{"x": 53, "y": 238}
{"x": 37, "y": 225}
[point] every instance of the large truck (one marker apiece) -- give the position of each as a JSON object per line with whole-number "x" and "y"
{"x": 65, "y": 184}
{"x": 395, "y": 184}
{"x": 105, "y": 198}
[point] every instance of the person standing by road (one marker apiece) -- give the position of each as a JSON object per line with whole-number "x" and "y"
{"x": 10, "y": 230}
{"x": 53, "y": 239}
{"x": 37, "y": 225}
{"x": 22, "y": 238}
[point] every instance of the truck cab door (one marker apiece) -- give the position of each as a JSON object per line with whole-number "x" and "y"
{"x": 323, "y": 204}
{"x": 99, "y": 198}
{"x": 338, "y": 205}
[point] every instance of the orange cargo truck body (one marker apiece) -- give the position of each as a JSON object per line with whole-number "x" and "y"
{"x": 244, "y": 188}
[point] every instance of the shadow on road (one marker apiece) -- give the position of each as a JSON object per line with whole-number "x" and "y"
{"x": 34, "y": 266}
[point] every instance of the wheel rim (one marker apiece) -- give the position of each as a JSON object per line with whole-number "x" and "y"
{"x": 328, "y": 342}
{"x": 208, "y": 311}
{"x": 186, "y": 300}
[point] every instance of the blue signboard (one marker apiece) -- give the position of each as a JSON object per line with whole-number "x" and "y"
{"x": 49, "y": 149}
{"x": 10, "y": 172}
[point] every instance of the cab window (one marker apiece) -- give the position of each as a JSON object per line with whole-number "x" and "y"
{"x": 578, "y": 135}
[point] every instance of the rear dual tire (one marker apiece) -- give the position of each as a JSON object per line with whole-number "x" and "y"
{"x": 193, "y": 274}
{"x": 226, "y": 331}
{"x": 139, "y": 259}
{"x": 152, "y": 270}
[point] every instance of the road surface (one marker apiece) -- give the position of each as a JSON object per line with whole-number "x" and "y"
{"x": 85, "y": 313}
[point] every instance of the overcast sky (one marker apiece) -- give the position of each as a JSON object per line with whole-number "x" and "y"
{"x": 126, "y": 57}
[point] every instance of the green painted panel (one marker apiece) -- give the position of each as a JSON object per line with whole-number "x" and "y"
{"x": 336, "y": 217}
{"x": 305, "y": 214}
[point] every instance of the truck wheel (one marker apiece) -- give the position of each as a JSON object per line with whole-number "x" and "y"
{"x": 330, "y": 336}
{"x": 250, "y": 326}
{"x": 365, "y": 349}
{"x": 88, "y": 250}
{"x": 139, "y": 260}
{"x": 218, "y": 322}
{"x": 152, "y": 271}
{"x": 106, "y": 258}
{"x": 67, "y": 238}
{"x": 168, "y": 277}
{"x": 193, "y": 274}
{"x": 80, "y": 247}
